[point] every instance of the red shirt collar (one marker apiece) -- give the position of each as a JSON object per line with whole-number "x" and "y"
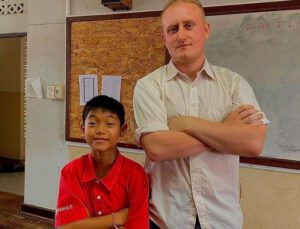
{"x": 109, "y": 180}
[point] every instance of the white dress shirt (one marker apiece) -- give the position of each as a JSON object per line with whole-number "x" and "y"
{"x": 206, "y": 184}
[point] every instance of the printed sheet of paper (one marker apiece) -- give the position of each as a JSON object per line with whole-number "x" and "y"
{"x": 111, "y": 86}
{"x": 88, "y": 86}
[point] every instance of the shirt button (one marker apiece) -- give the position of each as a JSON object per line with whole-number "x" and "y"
{"x": 99, "y": 212}
{"x": 98, "y": 197}
{"x": 97, "y": 181}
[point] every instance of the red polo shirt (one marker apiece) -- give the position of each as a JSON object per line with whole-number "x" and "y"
{"x": 80, "y": 192}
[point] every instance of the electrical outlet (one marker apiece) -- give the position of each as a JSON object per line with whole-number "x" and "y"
{"x": 59, "y": 92}
{"x": 50, "y": 92}
{"x": 55, "y": 92}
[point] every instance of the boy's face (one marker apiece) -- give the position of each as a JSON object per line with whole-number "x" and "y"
{"x": 102, "y": 130}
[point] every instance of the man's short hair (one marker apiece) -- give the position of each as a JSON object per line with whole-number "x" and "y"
{"x": 173, "y": 2}
{"x": 104, "y": 103}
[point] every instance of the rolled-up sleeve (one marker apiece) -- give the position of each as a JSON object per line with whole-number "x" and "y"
{"x": 244, "y": 94}
{"x": 149, "y": 110}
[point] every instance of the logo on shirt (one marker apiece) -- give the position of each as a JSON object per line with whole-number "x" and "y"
{"x": 64, "y": 208}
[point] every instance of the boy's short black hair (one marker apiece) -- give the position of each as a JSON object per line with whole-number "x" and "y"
{"x": 105, "y": 103}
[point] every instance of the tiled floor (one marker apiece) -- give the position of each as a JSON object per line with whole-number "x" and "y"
{"x": 11, "y": 198}
{"x": 12, "y": 218}
{"x": 12, "y": 183}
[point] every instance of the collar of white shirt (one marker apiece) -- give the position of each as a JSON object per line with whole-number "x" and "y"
{"x": 206, "y": 70}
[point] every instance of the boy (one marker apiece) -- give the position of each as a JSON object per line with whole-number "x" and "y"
{"x": 103, "y": 189}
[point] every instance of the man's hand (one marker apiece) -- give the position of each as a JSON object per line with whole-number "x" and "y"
{"x": 245, "y": 114}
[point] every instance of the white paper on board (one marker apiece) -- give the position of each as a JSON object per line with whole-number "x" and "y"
{"x": 88, "y": 86}
{"x": 111, "y": 86}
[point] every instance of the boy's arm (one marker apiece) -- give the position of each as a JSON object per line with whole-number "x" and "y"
{"x": 72, "y": 211}
{"x": 70, "y": 202}
{"x": 138, "y": 193}
{"x": 241, "y": 133}
{"x": 99, "y": 222}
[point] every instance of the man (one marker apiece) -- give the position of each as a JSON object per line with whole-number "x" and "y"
{"x": 193, "y": 127}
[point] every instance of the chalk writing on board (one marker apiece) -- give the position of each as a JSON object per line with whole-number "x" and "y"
{"x": 264, "y": 48}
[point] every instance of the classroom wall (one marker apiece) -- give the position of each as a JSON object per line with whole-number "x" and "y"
{"x": 90, "y": 7}
{"x": 270, "y": 199}
{"x": 47, "y": 151}
{"x": 23, "y": 67}
{"x": 10, "y": 64}
{"x": 45, "y": 146}
{"x": 11, "y": 128}
{"x": 13, "y": 23}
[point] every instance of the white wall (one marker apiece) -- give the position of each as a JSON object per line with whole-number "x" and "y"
{"x": 13, "y": 23}
{"x": 232, "y": 2}
{"x": 94, "y": 7}
{"x": 45, "y": 146}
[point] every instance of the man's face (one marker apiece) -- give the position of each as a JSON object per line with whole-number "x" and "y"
{"x": 185, "y": 33}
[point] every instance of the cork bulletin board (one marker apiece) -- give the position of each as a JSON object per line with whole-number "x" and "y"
{"x": 126, "y": 45}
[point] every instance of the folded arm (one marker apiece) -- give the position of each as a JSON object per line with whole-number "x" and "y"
{"x": 241, "y": 133}
{"x": 99, "y": 222}
{"x": 153, "y": 133}
{"x": 138, "y": 196}
{"x": 72, "y": 211}
{"x": 170, "y": 145}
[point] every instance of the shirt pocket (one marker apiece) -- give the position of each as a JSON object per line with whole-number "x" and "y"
{"x": 215, "y": 113}
{"x": 175, "y": 106}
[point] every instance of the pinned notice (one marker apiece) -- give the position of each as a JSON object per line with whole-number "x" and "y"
{"x": 111, "y": 86}
{"x": 33, "y": 88}
{"x": 88, "y": 86}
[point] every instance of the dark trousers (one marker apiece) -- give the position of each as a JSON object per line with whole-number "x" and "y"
{"x": 154, "y": 226}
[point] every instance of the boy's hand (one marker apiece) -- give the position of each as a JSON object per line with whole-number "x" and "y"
{"x": 121, "y": 217}
{"x": 245, "y": 114}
